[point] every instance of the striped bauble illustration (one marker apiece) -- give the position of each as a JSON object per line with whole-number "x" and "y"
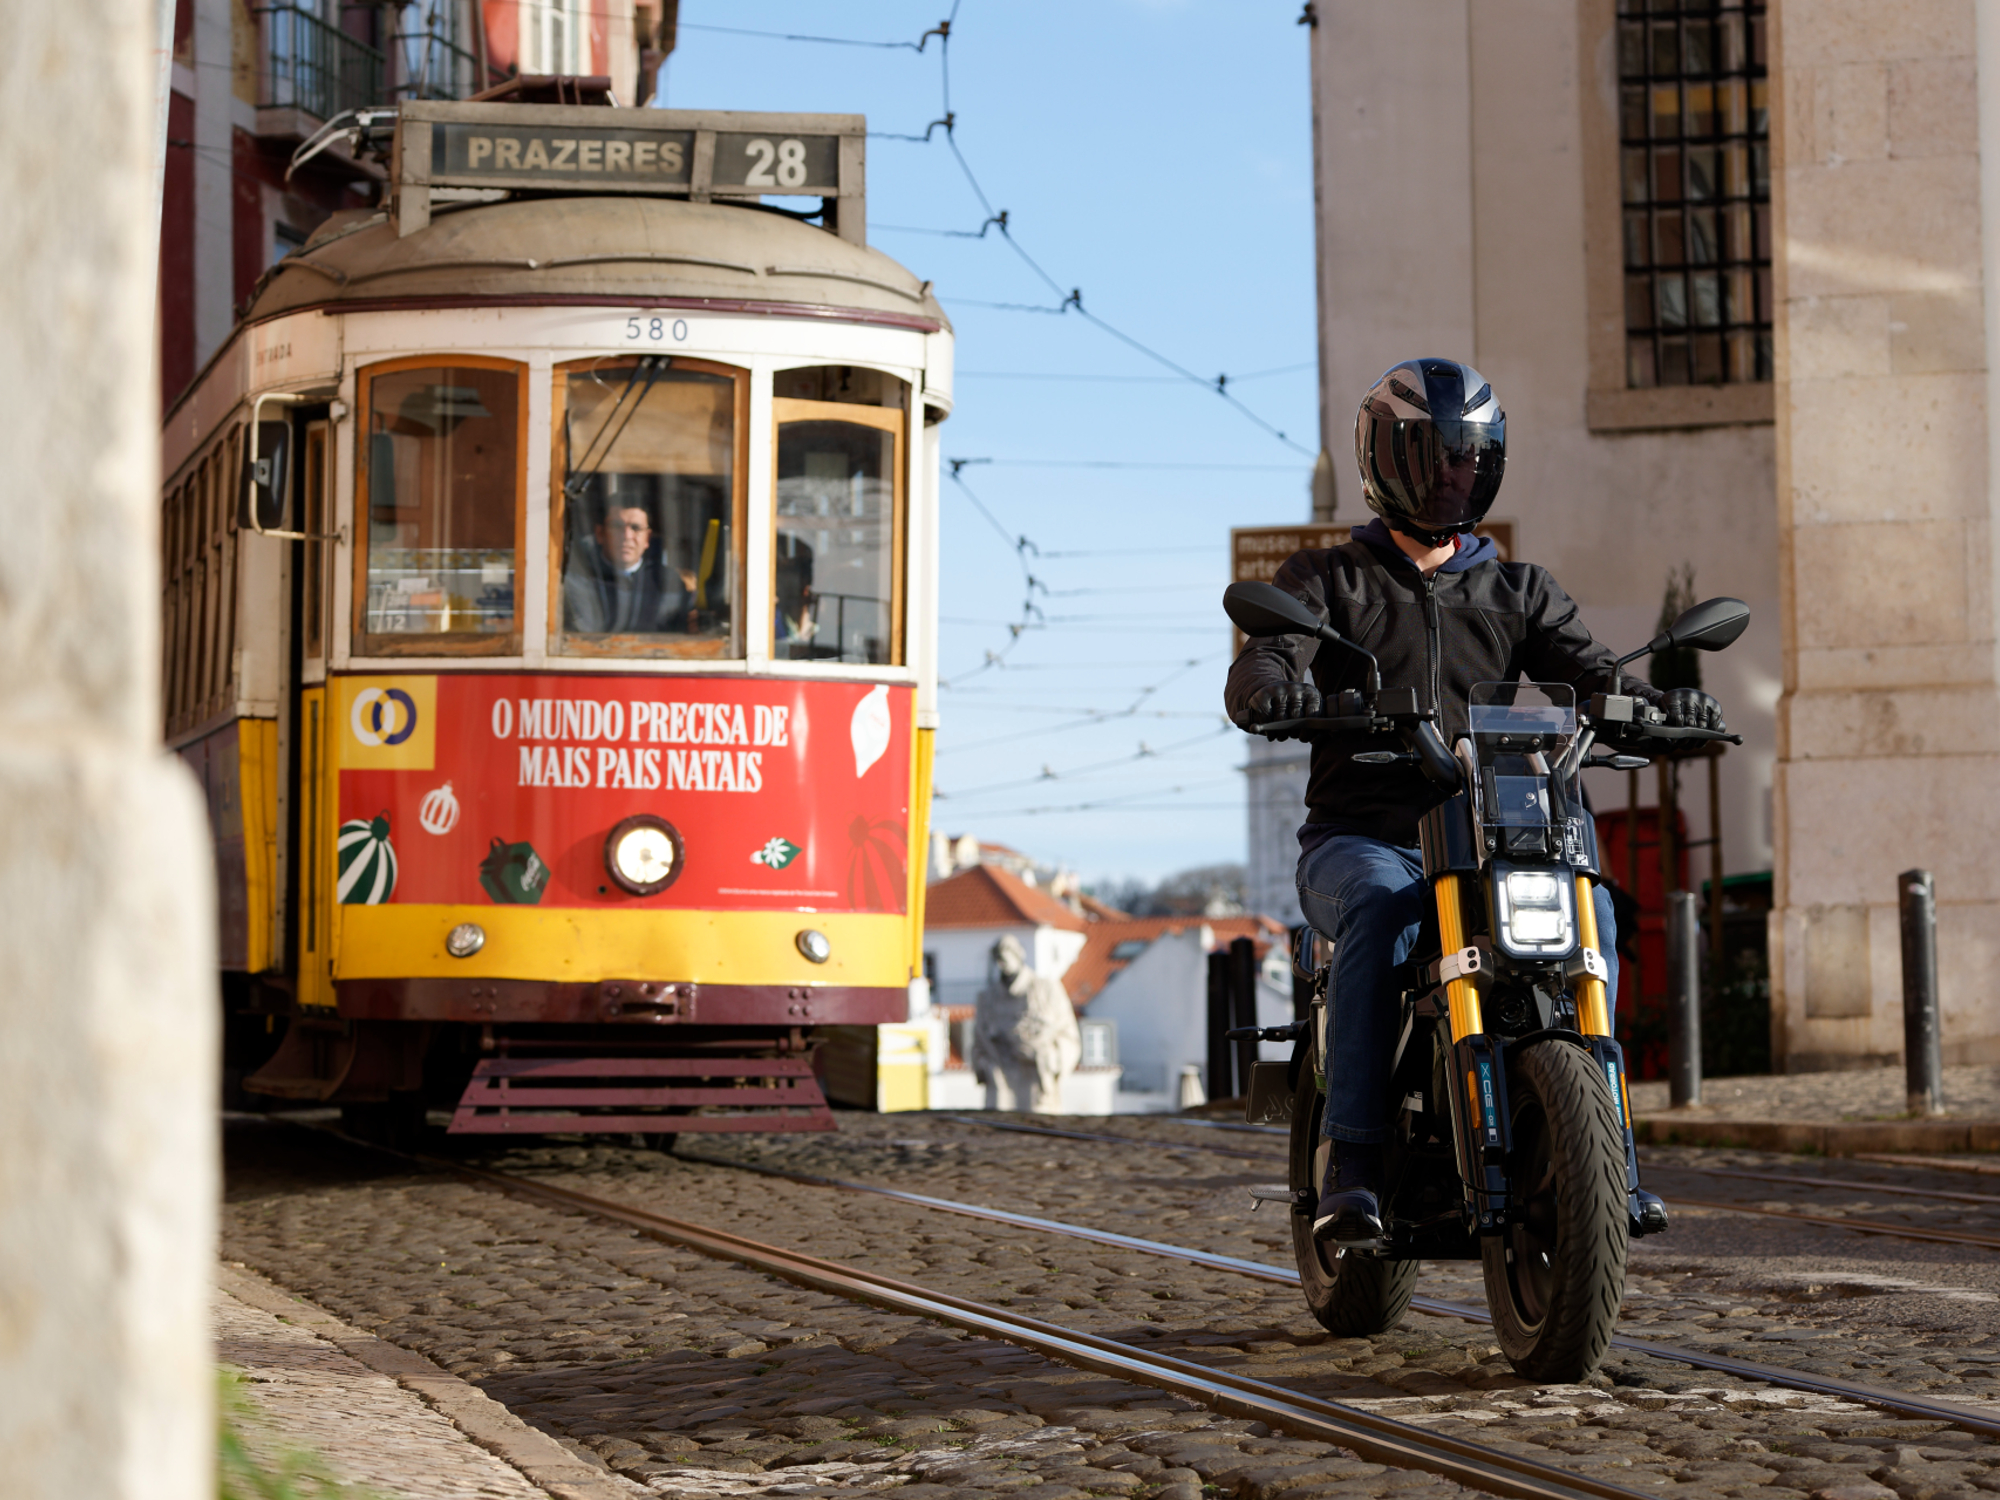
{"x": 367, "y": 861}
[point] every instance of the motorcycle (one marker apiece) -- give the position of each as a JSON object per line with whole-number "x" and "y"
{"x": 1512, "y": 1136}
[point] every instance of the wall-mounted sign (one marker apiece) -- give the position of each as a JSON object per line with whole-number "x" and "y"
{"x": 695, "y": 154}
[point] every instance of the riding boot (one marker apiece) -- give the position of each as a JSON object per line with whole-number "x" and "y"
{"x": 1349, "y": 1211}
{"x": 1652, "y": 1215}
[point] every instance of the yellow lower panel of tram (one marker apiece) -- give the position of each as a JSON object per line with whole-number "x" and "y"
{"x": 581, "y": 946}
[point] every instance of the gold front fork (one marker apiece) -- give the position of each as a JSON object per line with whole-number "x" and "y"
{"x": 1593, "y": 1013}
{"x": 1466, "y": 1019}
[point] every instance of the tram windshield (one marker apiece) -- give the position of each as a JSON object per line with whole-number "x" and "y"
{"x": 648, "y": 507}
{"x": 839, "y": 534}
{"x": 442, "y": 477}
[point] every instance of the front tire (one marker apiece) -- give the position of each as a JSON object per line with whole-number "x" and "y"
{"x": 1556, "y": 1276}
{"x": 1351, "y": 1295}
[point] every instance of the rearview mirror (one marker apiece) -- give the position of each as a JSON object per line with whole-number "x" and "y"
{"x": 1262, "y": 609}
{"x": 261, "y": 501}
{"x": 1709, "y": 625}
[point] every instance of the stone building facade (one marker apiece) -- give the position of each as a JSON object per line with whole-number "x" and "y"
{"x": 1724, "y": 263}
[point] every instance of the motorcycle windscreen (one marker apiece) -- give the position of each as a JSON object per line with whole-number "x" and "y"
{"x": 1521, "y": 718}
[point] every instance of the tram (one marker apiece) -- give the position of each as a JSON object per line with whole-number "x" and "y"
{"x": 550, "y": 615}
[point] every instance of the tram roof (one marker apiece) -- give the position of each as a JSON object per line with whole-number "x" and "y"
{"x": 572, "y": 249}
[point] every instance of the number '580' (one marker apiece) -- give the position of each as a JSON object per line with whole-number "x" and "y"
{"x": 645, "y": 330}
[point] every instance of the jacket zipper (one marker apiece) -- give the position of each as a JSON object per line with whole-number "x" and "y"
{"x": 1432, "y": 650}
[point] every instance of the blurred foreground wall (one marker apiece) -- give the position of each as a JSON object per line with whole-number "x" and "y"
{"x": 107, "y": 1009}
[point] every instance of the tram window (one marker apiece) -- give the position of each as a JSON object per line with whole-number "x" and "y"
{"x": 442, "y": 465}
{"x": 648, "y": 508}
{"x": 849, "y": 384}
{"x": 839, "y": 533}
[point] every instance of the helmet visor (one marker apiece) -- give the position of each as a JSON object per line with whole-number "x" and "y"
{"x": 1442, "y": 475}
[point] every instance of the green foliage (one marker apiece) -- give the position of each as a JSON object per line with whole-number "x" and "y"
{"x": 1680, "y": 666}
{"x": 291, "y": 1474}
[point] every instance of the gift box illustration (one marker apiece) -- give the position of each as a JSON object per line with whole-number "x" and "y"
{"x": 513, "y": 874}
{"x": 366, "y": 861}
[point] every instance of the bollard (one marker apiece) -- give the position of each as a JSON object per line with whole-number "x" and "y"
{"x": 1243, "y": 1005}
{"x": 1683, "y": 999}
{"x": 1219, "y": 1061}
{"x": 1923, "y": 1063}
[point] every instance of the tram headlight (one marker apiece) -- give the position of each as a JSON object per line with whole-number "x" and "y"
{"x": 464, "y": 940}
{"x": 1535, "y": 912}
{"x": 814, "y": 945}
{"x": 643, "y": 855}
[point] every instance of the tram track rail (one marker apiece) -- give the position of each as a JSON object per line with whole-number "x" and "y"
{"x": 1902, "y": 1403}
{"x": 1825, "y": 1221}
{"x": 1373, "y": 1438}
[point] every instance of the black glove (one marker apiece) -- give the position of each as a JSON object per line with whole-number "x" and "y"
{"x": 1691, "y": 708}
{"x": 1288, "y": 700}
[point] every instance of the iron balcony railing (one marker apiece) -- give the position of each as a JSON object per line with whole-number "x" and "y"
{"x": 434, "y": 67}
{"x": 315, "y": 67}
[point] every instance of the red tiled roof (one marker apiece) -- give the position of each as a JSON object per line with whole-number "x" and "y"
{"x": 1095, "y": 966}
{"x": 987, "y": 896}
{"x": 1097, "y": 911}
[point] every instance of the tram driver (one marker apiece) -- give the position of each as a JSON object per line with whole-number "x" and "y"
{"x": 624, "y": 585}
{"x": 1442, "y": 612}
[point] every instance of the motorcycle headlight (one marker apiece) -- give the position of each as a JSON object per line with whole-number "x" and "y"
{"x": 1536, "y": 912}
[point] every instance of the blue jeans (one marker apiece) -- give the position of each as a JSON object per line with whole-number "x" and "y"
{"x": 1368, "y": 899}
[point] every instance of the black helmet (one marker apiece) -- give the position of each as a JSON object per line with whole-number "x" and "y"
{"x": 1431, "y": 441}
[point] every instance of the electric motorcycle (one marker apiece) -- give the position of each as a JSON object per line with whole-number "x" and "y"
{"x": 1512, "y": 1131}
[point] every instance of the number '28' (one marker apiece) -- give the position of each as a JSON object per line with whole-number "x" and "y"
{"x": 789, "y": 157}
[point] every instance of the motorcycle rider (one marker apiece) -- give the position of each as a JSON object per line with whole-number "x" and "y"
{"x": 1441, "y": 612}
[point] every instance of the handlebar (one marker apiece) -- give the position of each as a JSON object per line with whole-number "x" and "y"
{"x": 1416, "y": 731}
{"x": 1616, "y": 732}
{"x": 1280, "y": 729}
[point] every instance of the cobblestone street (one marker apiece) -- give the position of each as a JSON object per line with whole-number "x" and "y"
{"x": 700, "y": 1377}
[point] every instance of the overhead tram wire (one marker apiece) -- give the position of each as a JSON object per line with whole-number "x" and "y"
{"x": 1121, "y": 463}
{"x": 829, "y": 41}
{"x": 1031, "y": 614}
{"x": 1113, "y": 379}
{"x": 998, "y": 218}
{"x": 1113, "y": 803}
{"x": 1090, "y": 718}
{"x": 1144, "y": 752}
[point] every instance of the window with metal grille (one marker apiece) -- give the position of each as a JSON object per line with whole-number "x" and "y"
{"x": 1695, "y": 164}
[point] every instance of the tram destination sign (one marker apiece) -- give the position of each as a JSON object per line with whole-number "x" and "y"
{"x": 702, "y": 155}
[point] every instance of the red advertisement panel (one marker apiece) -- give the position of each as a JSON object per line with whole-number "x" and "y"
{"x": 776, "y": 795}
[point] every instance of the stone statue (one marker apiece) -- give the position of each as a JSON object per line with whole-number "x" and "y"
{"x": 1024, "y": 1034}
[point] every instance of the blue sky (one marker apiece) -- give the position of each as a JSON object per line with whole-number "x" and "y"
{"x": 1156, "y": 155}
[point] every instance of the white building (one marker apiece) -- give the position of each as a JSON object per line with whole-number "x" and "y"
{"x": 1140, "y": 986}
{"x": 964, "y": 916}
{"x": 1731, "y": 270}
{"x": 1145, "y": 980}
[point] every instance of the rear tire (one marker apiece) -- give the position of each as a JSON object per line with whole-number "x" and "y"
{"x": 1555, "y": 1278}
{"x": 1351, "y": 1295}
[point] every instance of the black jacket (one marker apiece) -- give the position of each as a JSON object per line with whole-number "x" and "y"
{"x": 1475, "y": 620}
{"x": 658, "y": 600}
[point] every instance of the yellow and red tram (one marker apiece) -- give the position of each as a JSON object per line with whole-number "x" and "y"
{"x": 550, "y": 614}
